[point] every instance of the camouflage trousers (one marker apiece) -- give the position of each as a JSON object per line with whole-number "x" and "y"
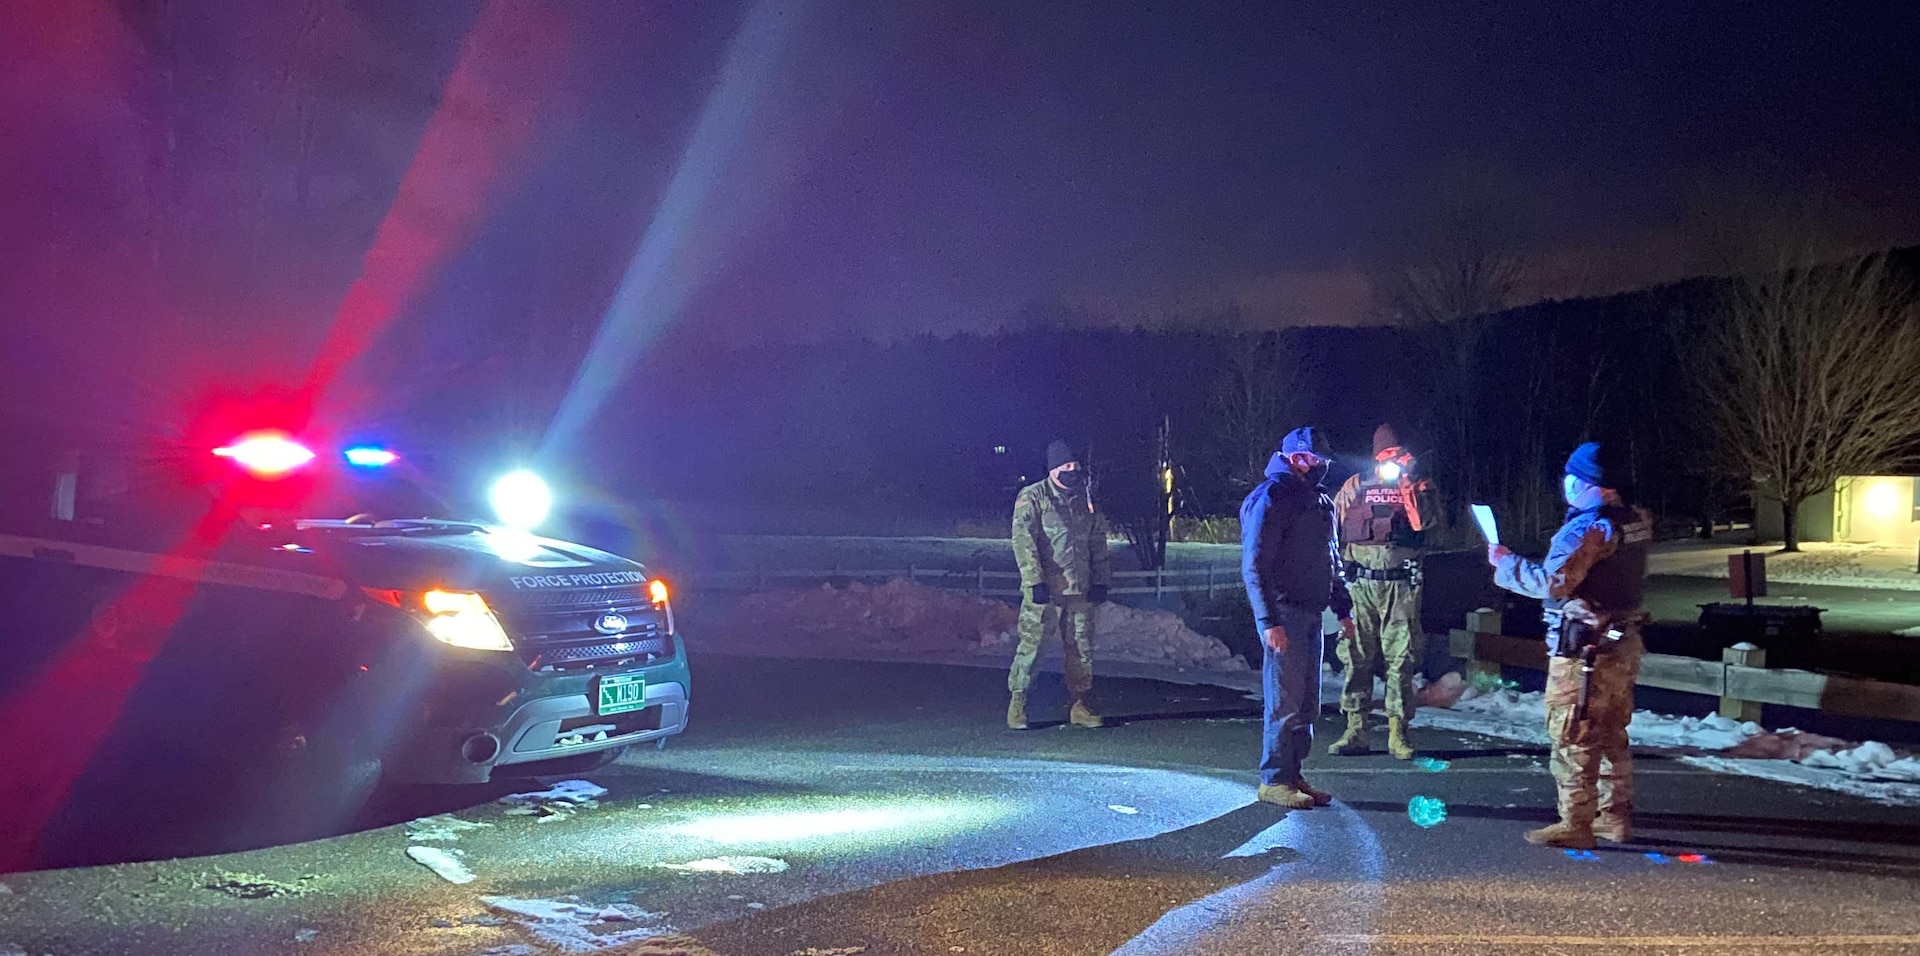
{"x": 1072, "y": 618}
{"x": 1386, "y": 623}
{"x": 1592, "y": 765}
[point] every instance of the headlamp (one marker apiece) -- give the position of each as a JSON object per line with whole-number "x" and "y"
{"x": 1389, "y": 470}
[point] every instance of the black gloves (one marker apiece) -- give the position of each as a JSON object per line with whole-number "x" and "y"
{"x": 1041, "y": 593}
{"x": 1097, "y": 594}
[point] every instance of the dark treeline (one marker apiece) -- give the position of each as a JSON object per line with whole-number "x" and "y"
{"x": 914, "y": 429}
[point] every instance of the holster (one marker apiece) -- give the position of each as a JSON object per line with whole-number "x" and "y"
{"x": 1572, "y": 637}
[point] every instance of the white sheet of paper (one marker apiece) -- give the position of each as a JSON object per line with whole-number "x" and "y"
{"x": 1488, "y": 528}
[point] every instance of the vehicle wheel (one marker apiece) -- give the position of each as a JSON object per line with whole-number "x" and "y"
{"x": 313, "y": 785}
{"x": 561, "y": 766}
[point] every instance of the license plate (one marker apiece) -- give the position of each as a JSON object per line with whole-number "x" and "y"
{"x": 620, "y": 693}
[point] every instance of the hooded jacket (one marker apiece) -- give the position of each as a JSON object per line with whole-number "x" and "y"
{"x": 1288, "y": 547}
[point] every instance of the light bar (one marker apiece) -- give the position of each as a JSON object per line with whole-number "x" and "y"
{"x": 267, "y": 453}
{"x": 366, "y": 456}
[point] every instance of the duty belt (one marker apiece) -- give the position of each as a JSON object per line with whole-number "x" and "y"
{"x": 1408, "y": 572}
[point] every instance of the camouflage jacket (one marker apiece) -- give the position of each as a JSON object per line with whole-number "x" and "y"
{"x": 1595, "y": 569}
{"x": 1059, "y": 540}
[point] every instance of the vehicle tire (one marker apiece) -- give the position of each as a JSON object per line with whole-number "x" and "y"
{"x": 561, "y": 766}
{"x": 312, "y": 785}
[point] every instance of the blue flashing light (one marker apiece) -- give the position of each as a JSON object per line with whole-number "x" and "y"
{"x": 367, "y": 456}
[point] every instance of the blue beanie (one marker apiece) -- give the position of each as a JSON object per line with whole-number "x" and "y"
{"x": 1303, "y": 439}
{"x": 1585, "y": 464}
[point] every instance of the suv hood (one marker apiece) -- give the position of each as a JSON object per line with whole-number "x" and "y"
{"x": 489, "y": 561}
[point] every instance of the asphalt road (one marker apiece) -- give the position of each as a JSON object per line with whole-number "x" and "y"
{"x": 885, "y": 808}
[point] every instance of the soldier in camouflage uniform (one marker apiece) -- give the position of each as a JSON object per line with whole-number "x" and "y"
{"x": 1384, "y": 514}
{"x": 1591, "y": 585}
{"x": 1060, "y": 542}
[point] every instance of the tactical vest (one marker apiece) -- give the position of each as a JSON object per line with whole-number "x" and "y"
{"x": 1618, "y": 584}
{"x": 1377, "y": 515}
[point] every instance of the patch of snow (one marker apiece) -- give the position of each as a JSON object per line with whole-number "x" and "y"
{"x": 441, "y": 828}
{"x": 1117, "y": 808}
{"x": 582, "y": 793}
{"x": 1908, "y": 632}
{"x": 442, "y": 863}
{"x": 305, "y": 935}
{"x": 1872, "y": 770}
{"x": 572, "y": 926}
{"x": 1884, "y": 566}
{"x": 731, "y": 864}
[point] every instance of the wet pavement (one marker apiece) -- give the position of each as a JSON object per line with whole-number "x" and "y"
{"x": 825, "y": 807}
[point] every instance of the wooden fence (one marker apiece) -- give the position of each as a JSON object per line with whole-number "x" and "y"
{"x": 1740, "y": 678}
{"x": 994, "y": 584}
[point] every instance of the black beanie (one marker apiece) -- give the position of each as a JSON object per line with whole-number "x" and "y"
{"x": 1384, "y": 438}
{"x": 1587, "y": 464}
{"x": 1059, "y": 453}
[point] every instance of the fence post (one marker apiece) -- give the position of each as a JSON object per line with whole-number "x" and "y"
{"x": 980, "y": 580}
{"x": 1209, "y": 579}
{"x": 1159, "y": 581}
{"x": 1483, "y": 621}
{"x": 1742, "y": 654}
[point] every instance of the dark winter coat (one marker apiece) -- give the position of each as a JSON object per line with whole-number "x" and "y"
{"x": 1288, "y": 547}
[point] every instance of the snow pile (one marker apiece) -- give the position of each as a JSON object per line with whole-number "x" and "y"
{"x": 557, "y": 802}
{"x": 570, "y": 925}
{"x": 1871, "y": 770}
{"x": 903, "y": 617}
{"x": 1124, "y": 633}
{"x": 1872, "y": 760}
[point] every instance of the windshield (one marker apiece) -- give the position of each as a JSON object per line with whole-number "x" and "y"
{"x": 381, "y": 494}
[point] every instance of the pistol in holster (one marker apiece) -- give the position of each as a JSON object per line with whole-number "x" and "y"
{"x": 1584, "y": 642}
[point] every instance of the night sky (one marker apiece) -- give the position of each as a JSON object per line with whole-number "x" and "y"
{"x": 883, "y": 169}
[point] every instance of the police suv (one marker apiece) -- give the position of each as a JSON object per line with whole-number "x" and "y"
{"x": 304, "y": 609}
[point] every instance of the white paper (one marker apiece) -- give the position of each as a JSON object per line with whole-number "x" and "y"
{"x": 1488, "y": 528}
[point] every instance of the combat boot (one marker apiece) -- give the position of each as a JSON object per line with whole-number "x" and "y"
{"x": 1613, "y": 827}
{"x": 1320, "y": 797}
{"x": 1281, "y": 795}
{"x": 1563, "y": 835}
{"x": 1017, "y": 712}
{"x": 1354, "y": 742}
{"x": 1397, "y": 739}
{"x": 1083, "y": 716}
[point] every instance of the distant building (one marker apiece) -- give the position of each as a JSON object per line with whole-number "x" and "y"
{"x": 1863, "y": 509}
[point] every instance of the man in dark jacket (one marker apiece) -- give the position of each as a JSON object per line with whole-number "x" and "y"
{"x": 1291, "y": 565}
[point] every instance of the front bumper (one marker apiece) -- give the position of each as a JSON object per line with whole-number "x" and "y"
{"x": 486, "y": 714}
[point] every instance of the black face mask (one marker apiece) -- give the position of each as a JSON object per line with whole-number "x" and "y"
{"x": 1072, "y": 480}
{"x": 1317, "y": 473}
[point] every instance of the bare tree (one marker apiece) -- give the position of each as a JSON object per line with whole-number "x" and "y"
{"x": 1810, "y": 376}
{"x": 1252, "y": 400}
{"x": 1469, "y": 267}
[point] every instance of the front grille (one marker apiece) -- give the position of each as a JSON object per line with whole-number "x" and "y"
{"x": 556, "y": 629}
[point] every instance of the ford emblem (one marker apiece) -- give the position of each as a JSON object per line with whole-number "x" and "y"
{"x": 612, "y": 622}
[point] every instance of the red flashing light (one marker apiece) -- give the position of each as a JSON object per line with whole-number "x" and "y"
{"x": 266, "y": 453}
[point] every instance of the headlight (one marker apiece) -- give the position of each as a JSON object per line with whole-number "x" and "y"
{"x": 463, "y": 619}
{"x": 521, "y": 500}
